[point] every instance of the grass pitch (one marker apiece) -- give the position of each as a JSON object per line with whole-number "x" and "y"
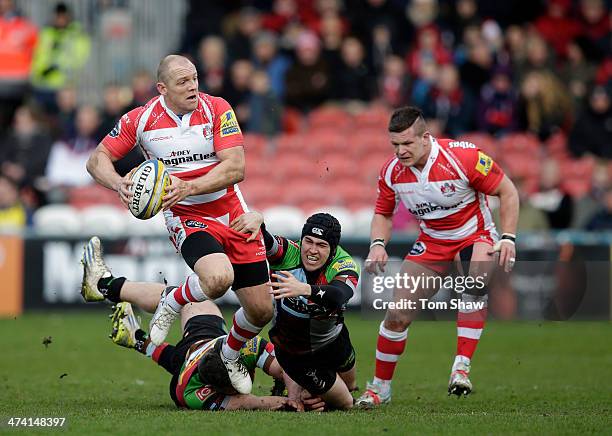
{"x": 529, "y": 378}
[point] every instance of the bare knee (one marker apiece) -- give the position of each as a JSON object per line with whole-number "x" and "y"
{"x": 396, "y": 324}
{"x": 259, "y": 315}
{"x": 216, "y": 284}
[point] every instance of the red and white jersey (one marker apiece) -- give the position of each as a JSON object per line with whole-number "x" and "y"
{"x": 187, "y": 146}
{"x": 449, "y": 196}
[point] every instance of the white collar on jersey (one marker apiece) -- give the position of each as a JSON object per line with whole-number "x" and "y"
{"x": 184, "y": 120}
{"x": 433, "y": 155}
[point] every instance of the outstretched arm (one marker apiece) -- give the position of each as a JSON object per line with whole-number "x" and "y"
{"x": 251, "y": 402}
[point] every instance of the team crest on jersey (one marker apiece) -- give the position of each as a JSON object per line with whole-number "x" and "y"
{"x": 484, "y": 163}
{"x": 116, "y": 130}
{"x": 207, "y": 131}
{"x": 195, "y": 224}
{"x": 229, "y": 124}
{"x": 417, "y": 249}
{"x": 448, "y": 189}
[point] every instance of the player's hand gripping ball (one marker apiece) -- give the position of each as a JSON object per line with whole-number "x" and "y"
{"x": 149, "y": 187}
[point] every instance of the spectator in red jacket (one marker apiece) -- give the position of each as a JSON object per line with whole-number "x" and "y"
{"x": 18, "y": 38}
{"x": 428, "y": 47}
{"x": 557, "y": 26}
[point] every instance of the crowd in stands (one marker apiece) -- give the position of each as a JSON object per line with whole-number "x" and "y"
{"x": 313, "y": 83}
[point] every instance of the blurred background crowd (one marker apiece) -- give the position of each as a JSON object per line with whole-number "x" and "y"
{"x": 312, "y": 83}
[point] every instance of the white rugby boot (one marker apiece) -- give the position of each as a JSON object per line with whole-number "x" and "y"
{"x": 459, "y": 383}
{"x": 94, "y": 269}
{"x": 238, "y": 374}
{"x": 162, "y": 320}
{"x": 374, "y": 395}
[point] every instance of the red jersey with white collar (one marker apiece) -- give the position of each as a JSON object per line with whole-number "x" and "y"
{"x": 448, "y": 196}
{"x": 187, "y": 146}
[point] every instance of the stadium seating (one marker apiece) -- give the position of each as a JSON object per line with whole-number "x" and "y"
{"x": 284, "y": 220}
{"x": 92, "y": 195}
{"x": 362, "y": 220}
{"x": 484, "y": 141}
{"x": 330, "y": 117}
{"x": 104, "y": 220}
{"x": 344, "y": 216}
{"x": 155, "y": 226}
{"x": 56, "y": 220}
{"x": 255, "y": 145}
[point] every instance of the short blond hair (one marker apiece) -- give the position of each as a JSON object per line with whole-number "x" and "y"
{"x": 164, "y": 66}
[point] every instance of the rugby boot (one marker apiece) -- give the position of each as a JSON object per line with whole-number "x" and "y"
{"x": 162, "y": 320}
{"x": 459, "y": 383}
{"x": 373, "y": 396}
{"x": 125, "y": 324}
{"x": 94, "y": 269}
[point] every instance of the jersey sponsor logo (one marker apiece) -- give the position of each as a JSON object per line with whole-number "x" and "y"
{"x": 425, "y": 208}
{"x": 484, "y": 163}
{"x": 418, "y": 248}
{"x": 317, "y": 231}
{"x": 175, "y": 159}
{"x": 448, "y": 189}
{"x": 116, "y": 130}
{"x": 229, "y": 124}
{"x": 161, "y": 138}
{"x": 250, "y": 347}
{"x": 195, "y": 224}
{"x": 204, "y": 393}
{"x": 461, "y": 144}
{"x": 344, "y": 264}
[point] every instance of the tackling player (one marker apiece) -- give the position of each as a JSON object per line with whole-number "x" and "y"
{"x": 315, "y": 278}
{"x": 197, "y": 137}
{"x": 444, "y": 183}
{"x": 199, "y": 379}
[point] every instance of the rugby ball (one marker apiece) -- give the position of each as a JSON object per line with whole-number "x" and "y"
{"x": 149, "y": 187}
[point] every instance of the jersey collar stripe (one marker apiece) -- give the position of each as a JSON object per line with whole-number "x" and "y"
{"x": 141, "y": 126}
{"x": 206, "y": 109}
{"x": 452, "y": 161}
{"x": 389, "y": 172}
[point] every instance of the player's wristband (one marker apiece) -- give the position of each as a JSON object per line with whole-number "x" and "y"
{"x": 509, "y": 237}
{"x": 378, "y": 241}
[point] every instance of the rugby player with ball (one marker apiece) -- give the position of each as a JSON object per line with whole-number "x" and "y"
{"x": 197, "y": 138}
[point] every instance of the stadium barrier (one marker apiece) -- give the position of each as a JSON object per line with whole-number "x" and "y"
{"x": 44, "y": 272}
